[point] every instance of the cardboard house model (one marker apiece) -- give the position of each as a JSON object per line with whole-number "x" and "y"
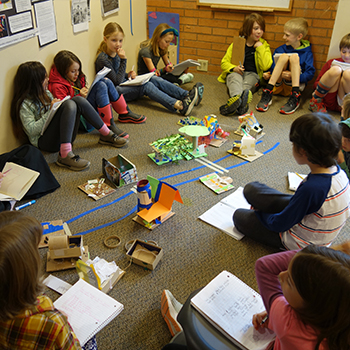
{"x": 155, "y": 204}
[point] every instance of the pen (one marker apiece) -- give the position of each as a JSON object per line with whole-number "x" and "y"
{"x": 131, "y": 71}
{"x": 264, "y": 320}
{"x": 25, "y": 205}
{"x": 7, "y": 171}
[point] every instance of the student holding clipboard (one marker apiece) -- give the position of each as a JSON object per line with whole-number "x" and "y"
{"x": 30, "y": 108}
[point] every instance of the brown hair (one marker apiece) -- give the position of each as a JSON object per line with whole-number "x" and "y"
{"x": 110, "y": 29}
{"x": 28, "y": 83}
{"x": 247, "y": 27}
{"x": 297, "y": 26}
{"x": 346, "y": 107}
{"x": 319, "y": 136}
{"x": 345, "y": 42}
{"x": 63, "y": 60}
{"x": 20, "y": 263}
{"x": 322, "y": 278}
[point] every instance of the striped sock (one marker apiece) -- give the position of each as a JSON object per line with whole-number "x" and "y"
{"x": 321, "y": 91}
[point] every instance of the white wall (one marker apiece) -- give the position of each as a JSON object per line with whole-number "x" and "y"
{"x": 83, "y": 44}
{"x": 341, "y": 27}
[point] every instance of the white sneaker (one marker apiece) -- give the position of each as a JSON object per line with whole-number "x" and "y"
{"x": 170, "y": 308}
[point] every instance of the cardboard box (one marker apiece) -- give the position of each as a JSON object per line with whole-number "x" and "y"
{"x": 65, "y": 264}
{"x": 62, "y": 247}
{"x": 119, "y": 171}
{"x": 145, "y": 254}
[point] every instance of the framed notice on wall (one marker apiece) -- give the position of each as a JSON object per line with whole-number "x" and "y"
{"x": 249, "y": 5}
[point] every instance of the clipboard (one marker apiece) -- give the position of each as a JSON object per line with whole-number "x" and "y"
{"x": 238, "y": 50}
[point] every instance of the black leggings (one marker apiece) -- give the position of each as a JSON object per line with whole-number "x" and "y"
{"x": 268, "y": 200}
{"x": 64, "y": 126}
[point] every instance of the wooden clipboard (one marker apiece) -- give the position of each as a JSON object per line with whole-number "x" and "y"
{"x": 238, "y": 50}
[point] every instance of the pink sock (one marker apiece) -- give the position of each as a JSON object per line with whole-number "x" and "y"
{"x": 65, "y": 148}
{"x": 104, "y": 130}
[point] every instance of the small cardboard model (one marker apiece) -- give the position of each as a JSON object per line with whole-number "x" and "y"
{"x": 250, "y": 125}
{"x": 145, "y": 254}
{"x": 51, "y": 228}
{"x": 119, "y": 170}
{"x": 160, "y": 208}
{"x": 64, "y": 251}
{"x": 248, "y": 146}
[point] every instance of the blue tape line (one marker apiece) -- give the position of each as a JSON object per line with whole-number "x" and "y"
{"x": 108, "y": 223}
{"x": 131, "y": 192}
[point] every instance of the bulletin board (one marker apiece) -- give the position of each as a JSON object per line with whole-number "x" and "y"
{"x": 249, "y": 5}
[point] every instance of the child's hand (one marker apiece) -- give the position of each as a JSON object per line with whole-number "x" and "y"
{"x": 84, "y": 91}
{"x": 157, "y": 72}
{"x": 258, "y": 43}
{"x": 169, "y": 68}
{"x": 257, "y": 319}
{"x": 1, "y": 178}
{"x": 267, "y": 75}
{"x": 239, "y": 70}
{"x": 287, "y": 75}
{"x": 54, "y": 101}
{"x": 132, "y": 75}
{"x": 121, "y": 53}
{"x": 340, "y": 158}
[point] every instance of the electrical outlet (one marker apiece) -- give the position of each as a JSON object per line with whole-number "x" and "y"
{"x": 204, "y": 65}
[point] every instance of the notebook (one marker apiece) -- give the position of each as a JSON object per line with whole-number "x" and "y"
{"x": 88, "y": 309}
{"x": 16, "y": 182}
{"x": 294, "y": 180}
{"x": 220, "y": 215}
{"x": 139, "y": 80}
{"x": 100, "y": 75}
{"x": 229, "y": 305}
{"x": 182, "y": 66}
{"x": 343, "y": 65}
{"x": 53, "y": 111}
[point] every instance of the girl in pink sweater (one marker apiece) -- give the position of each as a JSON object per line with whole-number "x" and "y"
{"x": 306, "y": 295}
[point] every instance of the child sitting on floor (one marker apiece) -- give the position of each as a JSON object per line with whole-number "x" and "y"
{"x": 28, "y": 318}
{"x": 157, "y": 47}
{"x": 333, "y": 82}
{"x": 293, "y": 69}
{"x": 240, "y": 79}
{"x": 344, "y": 154}
{"x": 319, "y": 208}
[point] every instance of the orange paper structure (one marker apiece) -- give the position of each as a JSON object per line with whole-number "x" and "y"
{"x": 166, "y": 194}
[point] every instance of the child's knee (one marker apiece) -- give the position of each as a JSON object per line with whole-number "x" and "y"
{"x": 334, "y": 71}
{"x": 294, "y": 60}
{"x": 346, "y": 75}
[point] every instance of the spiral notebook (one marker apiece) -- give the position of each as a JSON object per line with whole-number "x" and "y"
{"x": 88, "y": 309}
{"x": 229, "y": 305}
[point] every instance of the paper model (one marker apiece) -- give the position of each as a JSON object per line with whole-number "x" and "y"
{"x": 155, "y": 210}
{"x": 237, "y": 151}
{"x": 250, "y": 125}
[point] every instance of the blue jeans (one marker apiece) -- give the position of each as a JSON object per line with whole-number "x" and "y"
{"x": 102, "y": 93}
{"x": 157, "y": 89}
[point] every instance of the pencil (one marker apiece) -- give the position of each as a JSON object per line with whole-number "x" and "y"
{"x": 75, "y": 88}
{"x": 299, "y": 175}
{"x": 7, "y": 171}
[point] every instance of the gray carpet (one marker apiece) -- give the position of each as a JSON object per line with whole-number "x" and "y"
{"x": 194, "y": 252}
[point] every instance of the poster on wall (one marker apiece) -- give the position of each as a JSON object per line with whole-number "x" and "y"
{"x": 109, "y": 6}
{"x": 46, "y": 22}
{"x": 16, "y": 22}
{"x": 80, "y": 15}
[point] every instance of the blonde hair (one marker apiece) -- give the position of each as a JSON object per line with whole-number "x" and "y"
{"x": 156, "y": 36}
{"x": 297, "y": 26}
{"x": 110, "y": 29}
{"x": 20, "y": 263}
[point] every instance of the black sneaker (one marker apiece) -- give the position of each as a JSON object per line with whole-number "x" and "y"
{"x": 246, "y": 98}
{"x": 265, "y": 102}
{"x": 231, "y": 105}
{"x": 189, "y": 102}
{"x": 292, "y": 104}
{"x": 200, "y": 89}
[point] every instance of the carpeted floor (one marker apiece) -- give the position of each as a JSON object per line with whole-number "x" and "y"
{"x": 194, "y": 252}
